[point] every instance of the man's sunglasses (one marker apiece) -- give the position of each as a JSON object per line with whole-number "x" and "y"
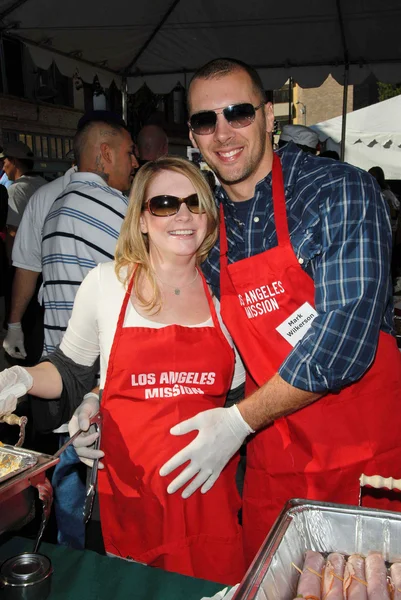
{"x": 166, "y": 206}
{"x": 237, "y": 115}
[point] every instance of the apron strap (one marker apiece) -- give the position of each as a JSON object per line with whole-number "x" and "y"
{"x": 119, "y": 328}
{"x": 279, "y": 206}
{"x": 223, "y": 238}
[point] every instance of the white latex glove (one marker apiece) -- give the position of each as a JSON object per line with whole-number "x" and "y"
{"x": 223, "y": 594}
{"x": 13, "y": 343}
{"x": 80, "y": 420}
{"x": 14, "y": 383}
{"x": 221, "y": 433}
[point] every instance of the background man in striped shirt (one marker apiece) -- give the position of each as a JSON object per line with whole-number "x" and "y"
{"x": 81, "y": 231}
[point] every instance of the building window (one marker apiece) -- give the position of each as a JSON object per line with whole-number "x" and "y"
{"x": 45, "y": 147}
{"x": 39, "y": 144}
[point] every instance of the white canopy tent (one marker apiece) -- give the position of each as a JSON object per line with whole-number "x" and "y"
{"x": 373, "y": 136}
{"x": 161, "y": 42}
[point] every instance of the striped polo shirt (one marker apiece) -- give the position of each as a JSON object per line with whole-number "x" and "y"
{"x": 80, "y": 231}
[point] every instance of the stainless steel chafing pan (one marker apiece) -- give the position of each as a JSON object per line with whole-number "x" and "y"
{"x": 321, "y": 526}
{"x": 16, "y": 489}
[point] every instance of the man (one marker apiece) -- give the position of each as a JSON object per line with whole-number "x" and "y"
{"x": 152, "y": 142}
{"x": 4, "y": 180}
{"x": 304, "y": 286}
{"x": 80, "y": 231}
{"x": 18, "y": 162}
{"x": 27, "y": 260}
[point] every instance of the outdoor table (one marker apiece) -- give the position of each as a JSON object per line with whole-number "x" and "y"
{"x": 87, "y": 575}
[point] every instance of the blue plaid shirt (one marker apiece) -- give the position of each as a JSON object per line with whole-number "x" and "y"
{"x": 339, "y": 225}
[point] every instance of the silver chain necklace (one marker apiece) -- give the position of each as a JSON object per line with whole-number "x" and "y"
{"x": 177, "y": 290}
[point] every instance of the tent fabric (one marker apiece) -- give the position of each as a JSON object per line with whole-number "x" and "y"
{"x": 373, "y": 136}
{"x": 173, "y": 38}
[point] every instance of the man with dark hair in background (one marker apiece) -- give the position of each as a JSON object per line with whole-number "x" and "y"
{"x": 18, "y": 164}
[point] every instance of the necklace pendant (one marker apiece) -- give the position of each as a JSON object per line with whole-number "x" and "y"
{"x": 177, "y": 291}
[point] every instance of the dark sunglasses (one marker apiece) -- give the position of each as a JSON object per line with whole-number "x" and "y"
{"x": 237, "y": 115}
{"x": 166, "y": 206}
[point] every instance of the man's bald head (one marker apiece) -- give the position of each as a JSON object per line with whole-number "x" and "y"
{"x": 106, "y": 149}
{"x": 152, "y": 143}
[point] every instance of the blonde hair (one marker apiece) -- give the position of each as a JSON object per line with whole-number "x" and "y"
{"x": 132, "y": 249}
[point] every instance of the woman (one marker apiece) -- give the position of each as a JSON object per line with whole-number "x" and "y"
{"x": 164, "y": 357}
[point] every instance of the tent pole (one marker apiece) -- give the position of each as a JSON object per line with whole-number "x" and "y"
{"x": 345, "y": 102}
{"x": 124, "y": 91}
{"x": 3, "y": 67}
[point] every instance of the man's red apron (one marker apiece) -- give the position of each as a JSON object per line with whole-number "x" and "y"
{"x": 320, "y": 451}
{"x": 157, "y": 378}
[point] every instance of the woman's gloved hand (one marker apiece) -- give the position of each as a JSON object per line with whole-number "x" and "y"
{"x": 81, "y": 420}
{"x": 222, "y": 432}
{"x": 14, "y": 383}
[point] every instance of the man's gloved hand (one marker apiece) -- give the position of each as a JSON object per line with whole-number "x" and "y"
{"x": 13, "y": 343}
{"x": 14, "y": 383}
{"x": 221, "y": 433}
{"x": 80, "y": 420}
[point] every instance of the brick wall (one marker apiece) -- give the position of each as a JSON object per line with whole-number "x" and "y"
{"x": 321, "y": 103}
{"x": 25, "y": 116}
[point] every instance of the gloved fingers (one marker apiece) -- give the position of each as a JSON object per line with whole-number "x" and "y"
{"x": 199, "y": 480}
{"x": 89, "y": 453}
{"x": 186, "y": 426}
{"x": 8, "y": 405}
{"x": 176, "y": 461}
{"x": 89, "y": 463}
{"x": 83, "y": 441}
{"x": 14, "y": 351}
{"x": 183, "y": 478}
{"x": 210, "y": 481}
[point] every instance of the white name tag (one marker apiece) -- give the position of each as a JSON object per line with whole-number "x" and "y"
{"x": 296, "y": 325}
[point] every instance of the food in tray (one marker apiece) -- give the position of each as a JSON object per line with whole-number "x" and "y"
{"x": 351, "y": 578}
{"x": 9, "y": 463}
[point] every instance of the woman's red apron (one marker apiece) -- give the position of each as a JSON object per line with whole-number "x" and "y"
{"x": 157, "y": 378}
{"x": 319, "y": 452}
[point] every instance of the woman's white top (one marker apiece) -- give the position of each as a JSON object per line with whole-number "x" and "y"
{"x": 93, "y": 322}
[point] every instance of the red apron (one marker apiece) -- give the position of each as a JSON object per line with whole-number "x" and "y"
{"x": 320, "y": 451}
{"x": 157, "y": 378}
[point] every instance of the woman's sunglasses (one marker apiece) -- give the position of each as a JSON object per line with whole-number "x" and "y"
{"x": 237, "y": 115}
{"x": 166, "y": 206}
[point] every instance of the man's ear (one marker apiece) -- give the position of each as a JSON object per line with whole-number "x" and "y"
{"x": 107, "y": 153}
{"x": 191, "y": 137}
{"x": 142, "y": 224}
{"x": 269, "y": 114}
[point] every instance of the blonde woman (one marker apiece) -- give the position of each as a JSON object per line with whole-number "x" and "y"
{"x": 164, "y": 357}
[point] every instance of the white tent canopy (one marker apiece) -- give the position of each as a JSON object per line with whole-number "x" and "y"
{"x": 161, "y": 42}
{"x": 373, "y": 136}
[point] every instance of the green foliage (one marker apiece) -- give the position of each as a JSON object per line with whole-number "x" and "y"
{"x": 388, "y": 90}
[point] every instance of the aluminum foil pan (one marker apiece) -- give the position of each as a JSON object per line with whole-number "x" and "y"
{"x": 321, "y": 526}
{"x": 14, "y": 460}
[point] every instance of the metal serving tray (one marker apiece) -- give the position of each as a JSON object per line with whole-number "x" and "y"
{"x": 321, "y": 526}
{"x": 16, "y": 491}
{"x": 26, "y": 460}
